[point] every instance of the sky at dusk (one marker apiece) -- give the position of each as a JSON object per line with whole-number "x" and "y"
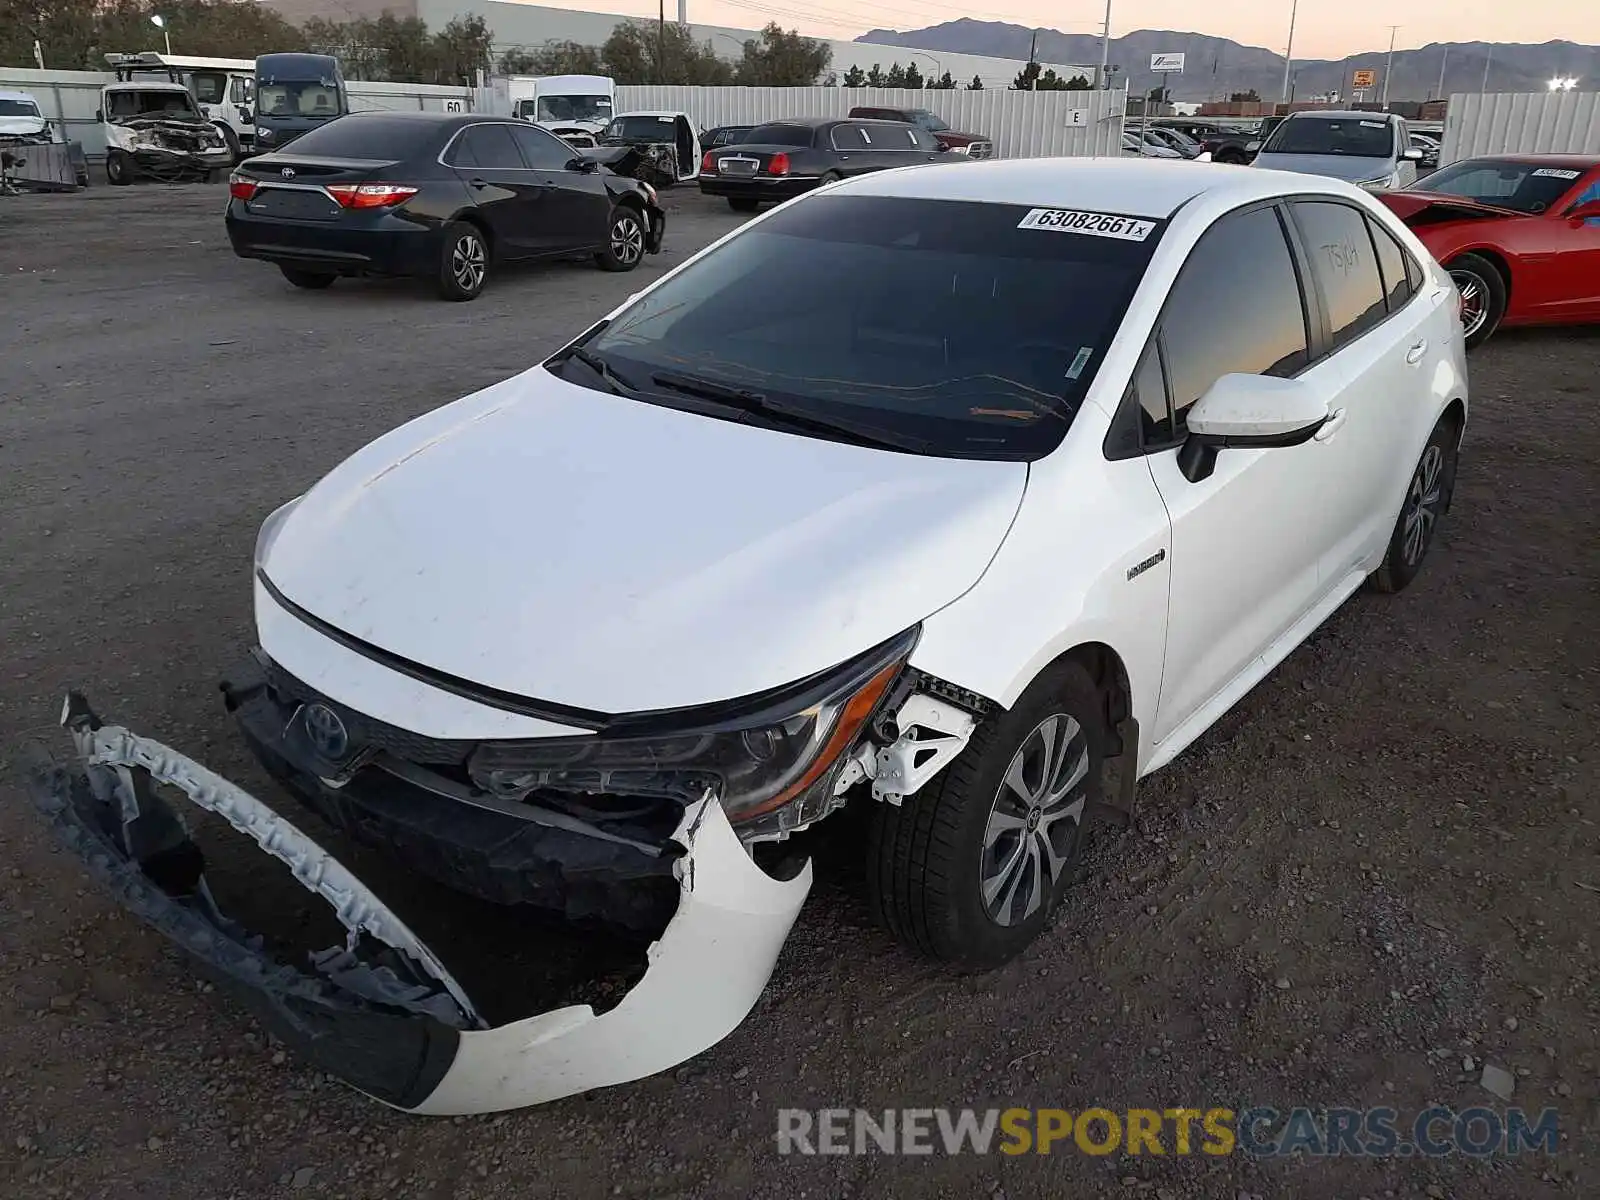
{"x": 1323, "y": 28}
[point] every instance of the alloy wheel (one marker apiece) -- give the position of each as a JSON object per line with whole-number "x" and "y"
{"x": 1034, "y": 820}
{"x": 1474, "y": 300}
{"x": 469, "y": 261}
{"x": 1423, "y": 501}
{"x": 627, "y": 239}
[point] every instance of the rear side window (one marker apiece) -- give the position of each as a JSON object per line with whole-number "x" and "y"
{"x": 1392, "y": 262}
{"x": 1236, "y": 309}
{"x": 371, "y": 137}
{"x": 487, "y": 146}
{"x": 1345, "y": 266}
{"x": 540, "y": 150}
{"x": 847, "y": 137}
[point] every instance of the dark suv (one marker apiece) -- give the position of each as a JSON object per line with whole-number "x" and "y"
{"x": 973, "y": 145}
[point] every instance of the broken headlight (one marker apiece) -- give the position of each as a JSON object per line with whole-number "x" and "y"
{"x": 772, "y": 754}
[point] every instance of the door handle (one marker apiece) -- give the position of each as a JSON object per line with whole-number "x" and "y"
{"x": 1414, "y": 355}
{"x": 1330, "y": 426}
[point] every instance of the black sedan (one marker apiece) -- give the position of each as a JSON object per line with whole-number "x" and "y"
{"x": 784, "y": 158}
{"x": 441, "y": 196}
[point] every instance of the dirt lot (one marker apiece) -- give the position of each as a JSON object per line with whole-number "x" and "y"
{"x": 1383, "y": 863}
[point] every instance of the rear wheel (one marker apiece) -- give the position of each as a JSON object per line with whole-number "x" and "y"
{"x": 969, "y": 868}
{"x": 1236, "y": 158}
{"x": 1433, "y": 484}
{"x": 119, "y": 168}
{"x": 742, "y": 205}
{"x": 463, "y": 262}
{"x": 235, "y": 154}
{"x": 624, "y": 248}
{"x": 1483, "y": 297}
{"x": 310, "y": 280}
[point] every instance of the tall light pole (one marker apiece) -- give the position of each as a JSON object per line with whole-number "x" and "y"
{"x": 1288, "y": 51}
{"x": 1487, "y": 59}
{"x": 938, "y": 66}
{"x": 160, "y": 23}
{"x": 1443, "y": 62}
{"x": 1388, "y": 66}
{"x": 1105, "y": 49}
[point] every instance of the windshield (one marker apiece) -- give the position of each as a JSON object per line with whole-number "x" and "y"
{"x": 961, "y": 326}
{"x": 574, "y": 108}
{"x": 19, "y": 108}
{"x": 310, "y": 99}
{"x": 1352, "y": 136}
{"x": 125, "y": 104}
{"x": 1525, "y": 187}
{"x": 922, "y": 117}
{"x": 779, "y": 135}
{"x": 642, "y": 129}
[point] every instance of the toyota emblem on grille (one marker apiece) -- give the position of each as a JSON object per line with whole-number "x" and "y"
{"x": 287, "y": 172}
{"x": 326, "y": 731}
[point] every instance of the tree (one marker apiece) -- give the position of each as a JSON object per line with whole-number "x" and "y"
{"x": 976, "y": 85}
{"x": 1249, "y": 96}
{"x": 642, "y": 52}
{"x": 855, "y": 77}
{"x": 914, "y": 78}
{"x": 945, "y": 83}
{"x": 896, "y": 78}
{"x": 462, "y": 49}
{"x": 77, "y": 34}
{"x": 875, "y": 77}
{"x": 1078, "y": 83}
{"x": 782, "y": 58}
{"x": 552, "y": 58}
{"x": 1026, "y": 79}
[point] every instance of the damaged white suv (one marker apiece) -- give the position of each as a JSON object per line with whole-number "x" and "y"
{"x": 948, "y": 493}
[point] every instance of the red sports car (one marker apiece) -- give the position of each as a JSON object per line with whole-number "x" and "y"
{"x": 1519, "y": 233}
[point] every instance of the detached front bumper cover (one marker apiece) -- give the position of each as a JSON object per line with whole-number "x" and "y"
{"x": 382, "y": 1011}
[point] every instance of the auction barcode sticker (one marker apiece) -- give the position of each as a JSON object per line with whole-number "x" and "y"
{"x": 1555, "y": 173}
{"x": 1066, "y": 220}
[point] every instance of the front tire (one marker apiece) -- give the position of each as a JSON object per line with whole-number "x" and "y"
{"x": 463, "y": 262}
{"x": 1428, "y": 497}
{"x": 969, "y": 869}
{"x": 625, "y": 238}
{"x": 310, "y": 280}
{"x": 231, "y": 140}
{"x": 1483, "y": 297}
{"x": 119, "y": 168}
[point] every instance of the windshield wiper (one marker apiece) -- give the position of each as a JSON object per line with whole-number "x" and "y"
{"x": 759, "y": 404}
{"x": 616, "y": 383}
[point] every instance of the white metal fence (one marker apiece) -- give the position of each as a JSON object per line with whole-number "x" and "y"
{"x": 1021, "y": 124}
{"x": 1510, "y": 123}
{"x": 70, "y": 98}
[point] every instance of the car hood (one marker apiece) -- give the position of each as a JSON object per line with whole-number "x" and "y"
{"x": 1432, "y": 208}
{"x": 585, "y": 549}
{"x": 1336, "y": 166}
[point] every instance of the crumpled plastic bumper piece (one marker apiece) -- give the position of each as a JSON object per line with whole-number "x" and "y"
{"x": 382, "y": 1011}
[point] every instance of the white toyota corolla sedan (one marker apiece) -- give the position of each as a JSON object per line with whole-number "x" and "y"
{"x": 950, "y": 493}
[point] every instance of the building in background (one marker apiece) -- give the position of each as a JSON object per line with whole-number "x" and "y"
{"x": 531, "y": 25}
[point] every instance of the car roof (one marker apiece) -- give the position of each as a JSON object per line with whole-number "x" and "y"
{"x": 1572, "y": 162}
{"x": 651, "y": 112}
{"x": 28, "y": 96}
{"x": 1343, "y": 114}
{"x": 1144, "y": 188}
{"x": 146, "y": 85}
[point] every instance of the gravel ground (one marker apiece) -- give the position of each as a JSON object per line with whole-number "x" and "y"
{"x": 1377, "y": 874}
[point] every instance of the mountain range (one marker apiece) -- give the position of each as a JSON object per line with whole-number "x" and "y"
{"x": 1216, "y": 67}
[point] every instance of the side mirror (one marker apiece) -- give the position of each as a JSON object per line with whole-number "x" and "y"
{"x": 1589, "y": 210}
{"x": 587, "y": 165}
{"x": 246, "y": 117}
{"x": 99, "y": 114}
{"x": 1412, "y": 153}
{"x": 1248, "y": 412}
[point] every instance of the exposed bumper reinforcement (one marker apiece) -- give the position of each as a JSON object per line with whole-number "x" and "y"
{"x": 383, "y": 1011}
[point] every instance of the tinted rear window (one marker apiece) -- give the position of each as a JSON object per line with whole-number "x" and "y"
{"x": 779, "y": 135}
{"x": 362, "y": 136}
{"x": 937, "y": 320}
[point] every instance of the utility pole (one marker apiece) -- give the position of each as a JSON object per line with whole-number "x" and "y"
{"x": 1105, "y": 49}
{"x": 1443, "y": 62}
{"x": 1288, "y": 51}
{"x": 1388, "y": 67}
{"x": 1487, "y": 59}
{"x": 661, "y": 41}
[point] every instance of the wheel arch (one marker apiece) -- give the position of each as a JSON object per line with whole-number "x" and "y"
{"x": 469, "y": 216}
{"x": 1495, "y": 257}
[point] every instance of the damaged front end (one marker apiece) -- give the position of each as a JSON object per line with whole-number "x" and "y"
{"x": 655, "y": 163}
{"x": 172, "y": 149}
{"x": 381, "y": 1010}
